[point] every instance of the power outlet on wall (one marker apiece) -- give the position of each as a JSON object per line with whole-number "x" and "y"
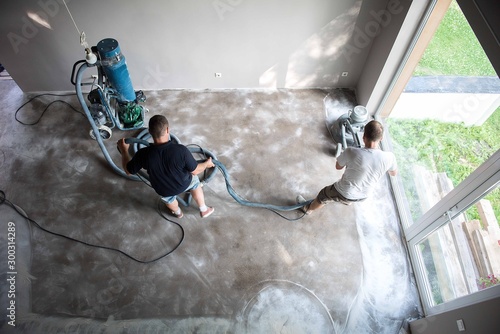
{"x": 460, "y": 325}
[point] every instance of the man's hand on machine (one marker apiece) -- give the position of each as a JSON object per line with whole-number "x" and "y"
{"x": 209, "y": 163}
{"x": 122, "y": 146}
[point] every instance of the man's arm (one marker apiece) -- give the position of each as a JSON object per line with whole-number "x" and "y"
{"x": 394, "y": 166}
{"x": 202, "y": 166}
{"x": 123, "y": 149}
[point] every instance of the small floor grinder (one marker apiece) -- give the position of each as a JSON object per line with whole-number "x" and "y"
{"x": 348, "y": 129}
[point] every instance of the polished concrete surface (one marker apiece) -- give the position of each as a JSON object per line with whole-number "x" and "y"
{"x": 342, "y": 269}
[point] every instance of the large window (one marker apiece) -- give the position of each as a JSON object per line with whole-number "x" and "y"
{"x": 445, "y": 132}
{"x": 455, "y": 247}
{"x": 447, "y": 121}
{"x": 462, "y": 256}
{"x": 434, "y": 156}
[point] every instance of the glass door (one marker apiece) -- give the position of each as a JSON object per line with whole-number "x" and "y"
{"x": 446, "y": 123}
{"x": 445, "y": 133}
{"x": 455, "y": 247}
{"x": 460, "y": 257}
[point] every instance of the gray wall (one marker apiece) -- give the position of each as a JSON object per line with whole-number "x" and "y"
{"x": 389, "y": 46}
{"x": 483, "y": 19}
{"x": 481, "y": 318}
{"x": 182, "y": 43}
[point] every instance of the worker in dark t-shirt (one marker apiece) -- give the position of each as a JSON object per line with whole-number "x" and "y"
{"x": 171, "y": 167}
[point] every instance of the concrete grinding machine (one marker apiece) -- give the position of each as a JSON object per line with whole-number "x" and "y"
{"x": 348, "y": 129}
{"x": 112, "y": 101}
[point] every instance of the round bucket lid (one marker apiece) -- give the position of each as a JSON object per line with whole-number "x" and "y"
{"x": 108, "y": 48}
{"x": 359, "y": 114}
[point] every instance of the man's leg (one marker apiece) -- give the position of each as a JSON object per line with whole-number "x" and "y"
{"x": 174, "y": 206}
{"x": 199, "y": 198}
{"x": 326, "y": 194}
{"x": 308, "y": 208}
{"x": 315, "y": 205}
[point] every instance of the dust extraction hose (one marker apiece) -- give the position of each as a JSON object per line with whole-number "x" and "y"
{"x": 142, "y": 140}
{"x": 79, "y": 94}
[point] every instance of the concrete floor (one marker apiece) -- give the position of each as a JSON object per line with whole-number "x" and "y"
{"x": 242, "y": 270}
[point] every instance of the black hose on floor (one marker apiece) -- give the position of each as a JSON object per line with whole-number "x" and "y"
{"x": 4, "y": 200}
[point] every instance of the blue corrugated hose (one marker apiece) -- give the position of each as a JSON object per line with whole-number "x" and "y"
{"x": 141, "y": 140}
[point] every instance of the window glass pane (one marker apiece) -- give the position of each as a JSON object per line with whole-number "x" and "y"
{"x": 434, "y": 157}
{"x": 447, "y": 120}
{"x": 463, "y": 256}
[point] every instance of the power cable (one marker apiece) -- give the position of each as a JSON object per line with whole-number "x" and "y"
{"x": 4, "y": 200}
{"x": 46, "y": 108}
{"x": 199, "y": 149}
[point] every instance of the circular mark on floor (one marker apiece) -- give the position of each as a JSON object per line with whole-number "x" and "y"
{"x": 279, "y": 306}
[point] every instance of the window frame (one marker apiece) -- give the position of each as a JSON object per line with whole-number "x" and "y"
{"x": 466, "y": 194}
{"x": 479, "y": 183}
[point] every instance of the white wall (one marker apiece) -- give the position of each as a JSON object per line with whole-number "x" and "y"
{"x": 182, "y": 43}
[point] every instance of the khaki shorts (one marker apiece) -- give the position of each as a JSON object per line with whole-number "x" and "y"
{"x": 330, "y": 194}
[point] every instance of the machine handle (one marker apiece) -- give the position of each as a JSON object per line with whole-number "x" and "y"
{"x": 73, "y": 81}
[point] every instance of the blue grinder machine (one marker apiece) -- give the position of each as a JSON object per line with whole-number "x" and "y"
{"x": 112, "y": 101}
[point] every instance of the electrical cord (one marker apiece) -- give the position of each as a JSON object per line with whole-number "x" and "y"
{"x": 46, "y": 108}
{"x": 4, "y": 200}
{"x": 233, "y": 193}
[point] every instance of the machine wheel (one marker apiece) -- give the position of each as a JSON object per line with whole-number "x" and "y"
{"x": 104, "y": 132}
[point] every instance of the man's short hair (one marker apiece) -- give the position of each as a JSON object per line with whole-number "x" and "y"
{"x": 374, "y": 131}
{"x": 158, "y": 124}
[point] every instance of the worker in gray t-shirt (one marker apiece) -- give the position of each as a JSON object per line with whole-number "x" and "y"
{"x": 363, "y": 169}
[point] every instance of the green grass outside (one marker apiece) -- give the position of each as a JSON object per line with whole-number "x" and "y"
{"x": 448, "y": 147}
{"x": 444, "y": 147}
{"x": 454, "y": 49}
